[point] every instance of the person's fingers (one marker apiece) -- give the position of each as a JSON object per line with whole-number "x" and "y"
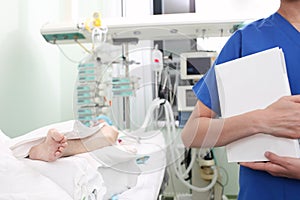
{"x": 64, "y": 144}
{"x": 275, "y": 159}
{"x": 271, "y": 156}
{"x": 60, "y": 149}
{"x": 277, "y": 165}
{"x": 276, "y": 170}
{"x": 57, "y": 154}
{"x": 64, "y": 139}
{"x": 269, "y": 167}
{"x": 294, "y": 98}
{"x": 255, "y": 165}
{"x": 55, "y": 135}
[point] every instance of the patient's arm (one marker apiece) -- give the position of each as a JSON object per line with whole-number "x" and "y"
{"x": 56, "y": 145}
{"x": 106, "y": 136}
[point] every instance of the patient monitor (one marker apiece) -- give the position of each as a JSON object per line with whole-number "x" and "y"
{"x": 193, "y": 65}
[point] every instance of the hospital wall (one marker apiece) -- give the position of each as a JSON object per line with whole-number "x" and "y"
{"x": 29, "y": 69}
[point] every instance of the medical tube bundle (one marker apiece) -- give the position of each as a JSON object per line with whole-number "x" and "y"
{"x": 101, "y": 77}
{"x": 92, "y": 96}
{"x": 103, "y": 80}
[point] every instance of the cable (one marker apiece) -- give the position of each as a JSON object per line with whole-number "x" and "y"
{"x": 71, "y": 60}
{"x": 189, "y": 168}
{"x": 82, "y": 46}
{"x": 226, "y": 175}
{"x": 171, "y": 126}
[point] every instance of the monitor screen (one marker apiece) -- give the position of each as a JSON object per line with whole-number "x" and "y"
{"x": 186, "y": 99}
{"x": 197, "y": 65}
{"x": 193, "y": 65}
{"x": 190, "y": 98}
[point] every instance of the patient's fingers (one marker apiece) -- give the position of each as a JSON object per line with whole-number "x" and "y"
{"x": 56, "y": 136}
{"x": 59, "y": 152}
{"x": 64, "y": 144}
{"x": 61, "y": 149}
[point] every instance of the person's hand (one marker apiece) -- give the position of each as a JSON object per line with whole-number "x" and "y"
{"x": 277, "y": 166}
{"x": 282, "y": 118}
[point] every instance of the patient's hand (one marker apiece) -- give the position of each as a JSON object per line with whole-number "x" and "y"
{"x": 51, "y": 148}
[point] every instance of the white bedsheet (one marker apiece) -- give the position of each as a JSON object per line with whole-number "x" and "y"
{"x": 152, "y": 171}
{"x": 123, "y": 177}
{"x": 20, "y": 182}
{"x": 67, "y": 178}
{"x": 73, "y": 174}
{"x": 121, "y": 174}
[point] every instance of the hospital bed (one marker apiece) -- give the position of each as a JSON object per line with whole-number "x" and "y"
{"x": 107, "y": 173}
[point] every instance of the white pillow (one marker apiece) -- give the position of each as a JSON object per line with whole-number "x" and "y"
{"x": 4, "y": 137}
{"x": 4, "y": 147}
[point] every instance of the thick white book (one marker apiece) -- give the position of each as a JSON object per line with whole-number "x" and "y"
{"x": 254, "y": 82}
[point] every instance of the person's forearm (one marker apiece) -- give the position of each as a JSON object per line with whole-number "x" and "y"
{"x": 280, "y": 119}
{"x": 207, "y": 132}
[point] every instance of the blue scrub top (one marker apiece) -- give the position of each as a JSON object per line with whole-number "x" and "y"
{"x": 274, "y": 31}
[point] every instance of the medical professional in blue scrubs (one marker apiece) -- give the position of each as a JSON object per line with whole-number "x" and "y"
{"x": 278, "y": 179}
